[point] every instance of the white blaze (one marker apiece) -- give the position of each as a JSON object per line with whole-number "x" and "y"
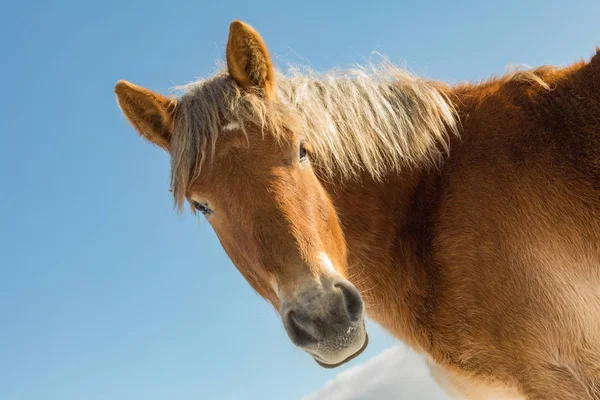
{"x": 274, "y": 285}
{"x": 327, "y": 264}
{"x": 231, "y": 126}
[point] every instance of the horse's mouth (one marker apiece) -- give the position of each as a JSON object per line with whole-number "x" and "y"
{"x": 353, "y": 356}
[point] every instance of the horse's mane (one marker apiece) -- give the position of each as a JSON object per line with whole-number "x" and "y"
{"x": 366, "y": 119}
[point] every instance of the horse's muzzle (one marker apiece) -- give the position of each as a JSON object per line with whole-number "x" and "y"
{"x": 327, "y": 321}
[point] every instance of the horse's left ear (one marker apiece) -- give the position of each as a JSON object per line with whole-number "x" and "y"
{"x": 248, "y": 60}
{"x": 150, "y": 113}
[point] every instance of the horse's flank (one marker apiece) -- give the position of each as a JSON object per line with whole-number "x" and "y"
{"x": 491, "y": 263}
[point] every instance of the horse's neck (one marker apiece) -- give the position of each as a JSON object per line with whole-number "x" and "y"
{"x": 386, "y": 228}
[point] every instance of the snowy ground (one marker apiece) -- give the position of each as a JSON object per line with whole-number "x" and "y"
{"x": 395, "y": 374}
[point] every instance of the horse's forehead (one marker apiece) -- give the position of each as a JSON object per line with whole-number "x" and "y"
{"x": 231, "y": 126}
{"x": 248, "y": 139}
{"x": 237, "y": 152}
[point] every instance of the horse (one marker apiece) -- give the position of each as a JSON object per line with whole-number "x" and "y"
{"x": 464, "y": 218}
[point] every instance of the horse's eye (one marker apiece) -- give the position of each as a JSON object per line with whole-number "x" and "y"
{"x": 203, "y": 208}
{"x": 302, "y": 152}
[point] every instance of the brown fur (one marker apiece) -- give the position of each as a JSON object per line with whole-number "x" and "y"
{"x": 488, "y": 263}
{"x": 150, "y": 113}
{"x": 248, "y": 60}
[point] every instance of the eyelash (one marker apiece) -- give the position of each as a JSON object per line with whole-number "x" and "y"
{"x": 203, "y": 208}
{"x": 303, "y": 153}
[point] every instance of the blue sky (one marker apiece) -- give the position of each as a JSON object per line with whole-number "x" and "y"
{"x": 105, "y": 291}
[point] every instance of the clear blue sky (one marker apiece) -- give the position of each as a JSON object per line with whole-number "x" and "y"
{"x": 107, "y": 293}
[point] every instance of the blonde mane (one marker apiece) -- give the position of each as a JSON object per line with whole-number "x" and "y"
{"x": 366, "y": 119}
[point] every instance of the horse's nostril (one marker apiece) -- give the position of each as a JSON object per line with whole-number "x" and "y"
{"x": 323, "y": 314}
{"x": 298, "y": 333}
{"x": 352, "y": 301}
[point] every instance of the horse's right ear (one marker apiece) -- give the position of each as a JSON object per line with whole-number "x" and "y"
{"x": 150, "y": 113}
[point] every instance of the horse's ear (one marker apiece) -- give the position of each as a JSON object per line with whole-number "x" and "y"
{"x": 150, "y": 113}
{"x": 248, "y": 60}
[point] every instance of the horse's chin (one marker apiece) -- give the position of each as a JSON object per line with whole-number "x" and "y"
{"x": 349, "y": 358}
